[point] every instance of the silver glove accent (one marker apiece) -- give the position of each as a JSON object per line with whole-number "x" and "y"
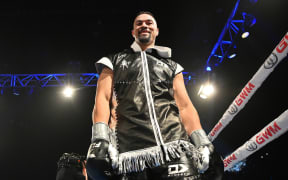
{"x": 199, "y": 138}
{"x": 100, "y": 130}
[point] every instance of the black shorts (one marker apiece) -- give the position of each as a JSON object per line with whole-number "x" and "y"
{"x": 180, "y": 169}
{"x": 183, "y": 168}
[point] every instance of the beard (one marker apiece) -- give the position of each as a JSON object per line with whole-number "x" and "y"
{"x": 144, "y": 39}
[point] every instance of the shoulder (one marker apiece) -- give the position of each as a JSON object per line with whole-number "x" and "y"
{"x": 117, "y": 55}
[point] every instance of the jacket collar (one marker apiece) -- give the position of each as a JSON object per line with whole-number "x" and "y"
{"x": 162, "y": 51}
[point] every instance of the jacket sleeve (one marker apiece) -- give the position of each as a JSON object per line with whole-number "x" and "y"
{"x": 179, "y": 68}
{"x": 105, "y": 61}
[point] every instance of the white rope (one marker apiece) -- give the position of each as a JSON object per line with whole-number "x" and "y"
{"x": 278, "y": 54}
{"x": 270, "y": 132}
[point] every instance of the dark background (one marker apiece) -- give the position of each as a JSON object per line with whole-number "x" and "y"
{"x": 62, "y": 37}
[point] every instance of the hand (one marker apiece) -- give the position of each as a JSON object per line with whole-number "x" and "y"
{"x": 98, "y": 161}
{"x": 216, "y": 167}
{"x": 206, "y": 152}
{"x": 98, "y": 164}
{"x": 203, "y": 164}
{"x": 204, "y": 146}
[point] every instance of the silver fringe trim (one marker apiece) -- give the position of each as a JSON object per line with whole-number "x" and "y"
{"x": 138, "y": 160}
{"x": 112, "y": 150}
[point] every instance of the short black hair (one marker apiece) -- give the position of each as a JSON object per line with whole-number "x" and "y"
{"x": 145, "y": 12}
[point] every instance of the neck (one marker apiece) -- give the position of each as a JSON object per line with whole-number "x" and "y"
{"x": 146, "y": 46}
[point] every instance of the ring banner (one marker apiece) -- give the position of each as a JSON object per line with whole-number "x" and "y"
{"x": 270, "y": 132}
{"x": 278, "y": 54}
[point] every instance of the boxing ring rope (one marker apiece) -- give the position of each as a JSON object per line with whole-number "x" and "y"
{"x": 270, "y": 132}
{"x": 274, "y": 129}
{"x": 278, "y": 54}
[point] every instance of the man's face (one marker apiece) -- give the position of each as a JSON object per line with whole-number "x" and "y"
{"x": 145, "y": 29}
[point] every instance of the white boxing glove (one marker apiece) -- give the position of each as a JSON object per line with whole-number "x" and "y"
{"x": 205, "y": 147}
{"x": 204, "y": 162}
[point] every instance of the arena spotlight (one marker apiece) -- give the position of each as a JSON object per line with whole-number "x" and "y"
{"x": 68, "y": 92}
{"x": 249, "y": 21}
{"x": 231, "y": 56}
{"x": 206, "y": 90}
{"x": 245, "y": 34}
{"x": 231, "y": 53}
{"x": 208, "y": 68}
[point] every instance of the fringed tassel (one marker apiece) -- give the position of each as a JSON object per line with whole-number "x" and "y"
{"x": 136, "y": 161}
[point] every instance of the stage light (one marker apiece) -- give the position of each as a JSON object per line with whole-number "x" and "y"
{"x": 68, "y": 92}
{"x": 208, "y": 68}
{"x": 231, "y": 56}
{"x": 206, "y": 91}
{"x": 232, "y": 52}
{"x": 249, "y": 21}
{"x": 245, "y": 34}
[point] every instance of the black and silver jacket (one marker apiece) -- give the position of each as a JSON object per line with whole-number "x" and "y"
{"x": 148, "y": 128}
